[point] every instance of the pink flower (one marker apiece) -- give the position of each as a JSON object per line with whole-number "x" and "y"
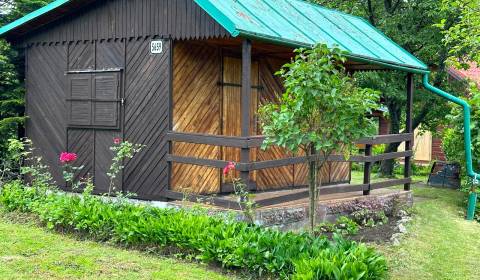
{"x": 230, "y": 166}
{"x": 67, "y": 157}
{"x": 117, "y": 141}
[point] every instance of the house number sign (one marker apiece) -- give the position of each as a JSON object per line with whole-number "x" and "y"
{"x": 156, "y": 47}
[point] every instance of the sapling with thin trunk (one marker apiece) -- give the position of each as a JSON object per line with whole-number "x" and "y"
{"x": 322, "y": 111}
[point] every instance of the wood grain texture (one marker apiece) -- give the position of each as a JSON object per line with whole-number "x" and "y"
{"x": 279, "y": 177}
{"x": 46, "y": 107}
{"x": 146, "y": 117}
{"x": 116, "y": 19}
{"x": 231, "y": 108}
{"x": 196, "y": 108}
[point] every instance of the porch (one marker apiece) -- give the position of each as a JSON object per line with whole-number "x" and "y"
{"x": 205, "y": 137}
{"x": 293, "y": 195}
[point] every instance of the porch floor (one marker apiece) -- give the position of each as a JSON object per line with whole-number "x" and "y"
{"x": 323, "y": 199}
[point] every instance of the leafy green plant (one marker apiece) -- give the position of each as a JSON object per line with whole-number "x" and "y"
{"x": 233, "y": 244}
{"x": 246, "y": 200}
{"x": 369, "y": 218}
{"x": 342, "y": 226}
{"x": 13, "y": 161}
{"x": 123, "y": 150}
{"x": 322, "y": 111}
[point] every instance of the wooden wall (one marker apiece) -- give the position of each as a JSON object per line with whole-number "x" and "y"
{"x": 46, "y": 106}
{"x": 115, "y": 19}
{"x": 206, "y": 99}
{"x": 147, "y": 117}
{"x": 196, "y": 108}
{"x": 145, "y": 87}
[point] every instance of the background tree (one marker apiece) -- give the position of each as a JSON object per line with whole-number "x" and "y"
{"x": 12, "y": 73}
{"x": 462, "y": 33}
{"x": 321, "y": 111}
{"x": 412, "y": 24}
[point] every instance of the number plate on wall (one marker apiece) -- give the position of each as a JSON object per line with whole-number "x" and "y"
{"x": 156, "y": 47}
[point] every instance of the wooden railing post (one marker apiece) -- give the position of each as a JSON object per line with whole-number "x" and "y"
{"x": 245, "y": 106}
{"x": 367, "y": 169}
{"x": 408, "y": 129}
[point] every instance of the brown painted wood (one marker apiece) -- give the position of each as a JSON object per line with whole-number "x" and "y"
{"x": 46, "y": 105}
{"x": 367, "y": 169}
{"x": 146, "y": 115}
{"x": 408, "y": 128}
{"x": 103, "y": 20}
{"x": 232, "y": 110}
{"x": 216, "y": 140}
{"x": 386, "y": 139}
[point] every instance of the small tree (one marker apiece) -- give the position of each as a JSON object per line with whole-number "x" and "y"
{"x": 321, "y": 111}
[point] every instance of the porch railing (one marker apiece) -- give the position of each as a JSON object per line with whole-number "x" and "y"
{"x": 256, "y": 141}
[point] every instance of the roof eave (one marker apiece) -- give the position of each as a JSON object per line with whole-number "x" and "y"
{"x": 6, "y": 29}
{"x": 354, "y": 57}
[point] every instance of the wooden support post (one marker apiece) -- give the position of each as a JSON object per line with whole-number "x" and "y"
{"x": 367, "y": 169}
{"x": 408, "y": 128}
{"x": 245, "y": 105}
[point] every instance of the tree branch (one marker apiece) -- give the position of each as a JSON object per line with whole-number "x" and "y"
{"x": 371, "y": 16}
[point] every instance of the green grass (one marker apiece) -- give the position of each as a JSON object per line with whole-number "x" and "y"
{"x": 440, "y": 243}
{"x": 30, "y": 252}
{"x": 357, "y": 177}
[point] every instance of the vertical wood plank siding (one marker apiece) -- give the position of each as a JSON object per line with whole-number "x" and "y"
{"x": 115, "y": 19}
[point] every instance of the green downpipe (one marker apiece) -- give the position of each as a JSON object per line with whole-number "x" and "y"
{"x": 472, "y": 199}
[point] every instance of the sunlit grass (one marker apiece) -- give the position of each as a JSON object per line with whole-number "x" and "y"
{"x": 30, "y": 252}
{"x": 440, "y": 244}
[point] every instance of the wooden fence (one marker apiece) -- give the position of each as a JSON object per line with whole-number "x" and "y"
{"x": 256, "y": 141}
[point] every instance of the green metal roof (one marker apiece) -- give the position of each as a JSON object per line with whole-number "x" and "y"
{"x": 45, "y": 9}
{"x": 294, "y": 23}
{"x": 298, "y": 23}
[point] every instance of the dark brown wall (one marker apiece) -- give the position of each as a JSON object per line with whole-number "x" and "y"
{"x": 147, "y": 94}
{"x": 45, "y": 99}
{"x": 145, "y": 85}
{"x": 114, "y": 19}
{"x": 111, "y": 34}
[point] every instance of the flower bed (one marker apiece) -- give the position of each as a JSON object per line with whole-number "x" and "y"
{"x": 210, "y": 239}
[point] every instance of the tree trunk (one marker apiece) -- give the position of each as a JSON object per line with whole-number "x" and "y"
{"x": 312, "y": 189}
{"x": 387, "y": 166}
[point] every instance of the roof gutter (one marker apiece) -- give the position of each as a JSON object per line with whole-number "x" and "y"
{"x": 466, "y": 136}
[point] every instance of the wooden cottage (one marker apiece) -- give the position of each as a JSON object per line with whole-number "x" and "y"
{"x": 184, "y": 78}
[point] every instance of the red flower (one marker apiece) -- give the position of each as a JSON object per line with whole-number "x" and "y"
{"x": 67, "y": 157}
{"x": 230, "y": 166}
{"x": 117, "y": 141}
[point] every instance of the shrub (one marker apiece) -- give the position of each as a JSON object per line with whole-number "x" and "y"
{"x": 233, "y": 244}
{"x": 343, "y": 226}
{"x": 369, "y": 218}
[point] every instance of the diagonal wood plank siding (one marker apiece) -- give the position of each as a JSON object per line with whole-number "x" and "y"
{"x": 45, "y": 99}
{"x": 147, "y": 87}
{"x": 196, "y": 108}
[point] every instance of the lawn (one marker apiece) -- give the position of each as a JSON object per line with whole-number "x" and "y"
{"x": 357, "y": 177}
{"x": 440, "y": 244}
{"x": 30, "y": 252}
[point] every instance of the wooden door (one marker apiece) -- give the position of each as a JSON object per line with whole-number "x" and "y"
{"x": 231, "y": 108}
